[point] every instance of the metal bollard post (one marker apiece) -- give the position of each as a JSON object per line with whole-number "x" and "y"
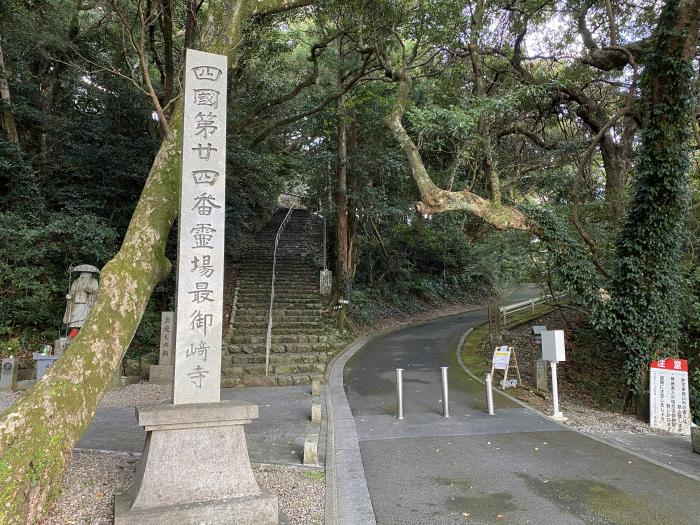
{"x": 399, "y": 392}
{"x": 555, "y": 394}
{"x": 445, "y": 393}
{"x": 489, "y": 394}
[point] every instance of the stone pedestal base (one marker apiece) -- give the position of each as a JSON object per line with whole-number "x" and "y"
{"x": 161, "y": 374}
{"x": 253, "y": 510}
{"x": 195, "y": 469}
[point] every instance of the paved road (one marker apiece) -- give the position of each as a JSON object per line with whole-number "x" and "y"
{"x": 515, "y": 467}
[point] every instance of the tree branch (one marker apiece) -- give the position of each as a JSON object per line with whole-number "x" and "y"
{"x": 434, "y": 199}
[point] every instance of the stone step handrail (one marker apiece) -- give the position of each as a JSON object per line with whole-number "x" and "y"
{"x": 268, "y": 339}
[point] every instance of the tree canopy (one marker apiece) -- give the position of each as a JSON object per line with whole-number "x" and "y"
{"x": 455, "y": 148}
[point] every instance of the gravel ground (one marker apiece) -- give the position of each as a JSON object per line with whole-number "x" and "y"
{"x": 7, "y": 398}
{"x": 301, "y": 492}
{"x": 585, "y": 418}
{"x": 138, "y": 394}
{"x": 89, "y": 486}
{"x": 93, "y": 478}
{"x": 591, "y": 386}
{"x": 131, "y": 395}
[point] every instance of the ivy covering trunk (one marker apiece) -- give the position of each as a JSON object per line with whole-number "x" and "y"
{"x": 646, "y": 295}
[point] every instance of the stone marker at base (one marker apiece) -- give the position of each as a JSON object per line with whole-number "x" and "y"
{"x": 8, "y": 374}
{"x": 315, "y": 412}
{"x": 43, "y": 363}
{"x": 315, "y": 387}
{"x": 162, "y": 373}
{"x": 195, "y": 467}
{"x": 311, "y": 450}
{"x": 541, "y": 378}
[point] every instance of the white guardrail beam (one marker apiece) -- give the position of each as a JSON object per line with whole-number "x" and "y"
{"x": 530, "y": 303}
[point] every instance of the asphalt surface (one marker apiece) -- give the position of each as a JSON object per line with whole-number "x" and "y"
{"x": 514, "y": 467}
{"x": 276, "y": 437}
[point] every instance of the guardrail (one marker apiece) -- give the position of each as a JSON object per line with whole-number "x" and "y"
{"x": 530, "y": 303}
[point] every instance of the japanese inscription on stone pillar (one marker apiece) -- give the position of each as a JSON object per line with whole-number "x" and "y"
{"x": 200, "y": 274}
{"x": 167, "y": 333}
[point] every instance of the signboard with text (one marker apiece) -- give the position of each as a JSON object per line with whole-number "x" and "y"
{"x": 501, "y": 358}
{"x": 200, "y": 257}
{"x": 668, "y": 390}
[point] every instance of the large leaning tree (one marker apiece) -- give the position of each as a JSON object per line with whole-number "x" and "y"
{"x": 39, "y": 432}
{"x": 642, "y": 315}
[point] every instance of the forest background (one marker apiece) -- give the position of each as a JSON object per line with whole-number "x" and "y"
{"x": 530, "y": 106}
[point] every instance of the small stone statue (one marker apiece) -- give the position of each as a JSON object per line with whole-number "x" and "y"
{"x": 81, "y": 298}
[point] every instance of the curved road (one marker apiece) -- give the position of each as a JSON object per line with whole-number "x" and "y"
{"x": 514, "y": 467}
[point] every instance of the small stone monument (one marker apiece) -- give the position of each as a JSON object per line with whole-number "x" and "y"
{"x": 315, "y": 412}
{"x": 311, "y": 450}
{"x": 44, "y": 361}
{"x": 325, "y": 282}
{"x": 195, "y": 466}
{"x": 8, "y": 374}
{"x": 541, "y": 378}
{"x": 163, "y": 372}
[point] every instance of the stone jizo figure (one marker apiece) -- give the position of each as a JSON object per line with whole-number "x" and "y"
{"x": 81, "y": 298}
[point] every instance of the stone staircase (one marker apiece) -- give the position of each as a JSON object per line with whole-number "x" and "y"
{"x": 300, "y": 347}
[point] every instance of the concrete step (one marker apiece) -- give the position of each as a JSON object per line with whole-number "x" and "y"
{"x": 305, "y": 316}
{"x": 293, "y": 338}
{"x": 275, "y": 358}
{"x": 271, "y": 380}
{"x": 277, "y": 368}
{"x": 280, "y": 297}
{"x": 278, "y": 325}
{"x": 257, "y": 348}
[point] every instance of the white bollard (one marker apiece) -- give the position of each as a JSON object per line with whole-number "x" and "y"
{"x": 555, "y": 394}
{"x": 489, "y": 394}
{"x": 399, "y": 393}
{"x": 445, "y": 393}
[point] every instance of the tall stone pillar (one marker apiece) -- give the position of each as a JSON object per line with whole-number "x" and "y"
{"x": 195, "y": 467}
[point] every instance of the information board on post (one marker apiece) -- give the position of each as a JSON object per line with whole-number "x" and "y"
{"x": 669, "y": 397}
{"x": 501, "y": 358}
{"x": 200, "y": 257}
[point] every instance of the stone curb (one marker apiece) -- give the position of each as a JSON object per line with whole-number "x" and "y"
{"x": 347, "y": 495}
{"x": 563, "y": 425}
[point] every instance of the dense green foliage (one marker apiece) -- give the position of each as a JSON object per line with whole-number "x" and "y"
{"x": 646, "y": 284}
{"x": 504, "y": 103}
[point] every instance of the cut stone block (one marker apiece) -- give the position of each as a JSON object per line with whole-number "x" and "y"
{"x": 8, "y": 374}
{"x": 43, "y": 363}
{"x": 315, "y": 412}
{"x": 315, "y": 387}
{"x": 541, "y": 375}
{"x": 311, "y": 450}
{"x": 161, "y": 374}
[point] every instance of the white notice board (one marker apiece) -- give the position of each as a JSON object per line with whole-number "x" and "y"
{"x": 668, "y": 390}
{"x": 501, "y": 358}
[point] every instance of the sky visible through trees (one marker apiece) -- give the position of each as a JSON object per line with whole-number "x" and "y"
{"x": 455, "y": 148}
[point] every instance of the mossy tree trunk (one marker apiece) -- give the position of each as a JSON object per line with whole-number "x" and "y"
{"x": 39, "y": 432}
{"x": 434, "y": 199}
{"x": 646, "y": 295}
